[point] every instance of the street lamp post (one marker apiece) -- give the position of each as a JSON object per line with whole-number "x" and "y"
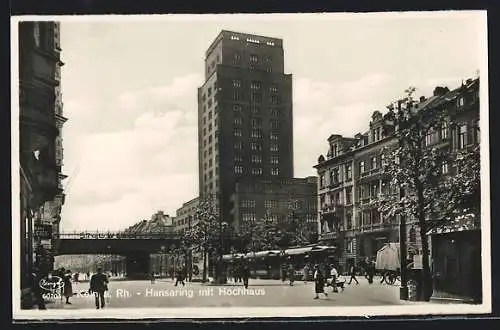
{"x": 162, "y": 248}
{"x": 403, "y": 290}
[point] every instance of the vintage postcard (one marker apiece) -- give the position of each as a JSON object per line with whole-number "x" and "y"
{"x": 253, "y": 165}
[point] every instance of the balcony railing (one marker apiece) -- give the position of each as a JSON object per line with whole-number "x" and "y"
{"x": 332, "y": 208}
{"x": 377, "y": 226}
{"x": 116, "y": 235}
{"x": 370, "y": 173}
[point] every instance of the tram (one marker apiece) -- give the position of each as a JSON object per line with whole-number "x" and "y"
{"x": 268, "y": 264}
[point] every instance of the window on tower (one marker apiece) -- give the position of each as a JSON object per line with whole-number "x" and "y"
{"x": 256, "y": 97}
{"x": 237, "y": 108}
{"x": 255, "y": 85}
{"x": 257, "y": 171}
{"x": 275, "y": 124}
{"x": 236, "y": 58}
{"x": 256, "y": 134}
{"x": 236, "y": 96}
{"x": 256, "y": 159}
{"x": 254, "y": 58}
{"x": 256, "y": 146}
{"x": 256, "y": 123}
{"x": 275, "y": 99}
{"x": 255, "y": 110}
{"x": 236, "y": 83}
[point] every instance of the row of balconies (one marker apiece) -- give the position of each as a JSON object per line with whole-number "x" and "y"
{"x": 364, "y": 228}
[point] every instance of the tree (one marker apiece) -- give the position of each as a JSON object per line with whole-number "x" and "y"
{"x": 260, "y": 235}
{"x": 463, "y": 189}
{"x": 206, "y": 233}
{"x": 415, "y": 168}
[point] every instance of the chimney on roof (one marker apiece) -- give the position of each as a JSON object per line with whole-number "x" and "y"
{"x": 422, "y": 98}
{"x": 440, "y": 91}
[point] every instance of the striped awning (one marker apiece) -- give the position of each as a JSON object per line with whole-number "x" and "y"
{"x": 460, "y": 224}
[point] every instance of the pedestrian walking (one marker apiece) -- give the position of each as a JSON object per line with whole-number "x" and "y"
{"x": 319, "y": 282}
{"x": 246, "y": 275}
{"x": 152, "y": 277}
{"x": 98, "y": 286}
{"x": 352, "y": 273}
{"x": 68, "y": 287}
{"x": 334, "y": 274}
{"x": 370, "y": 270}
{"x": 291, "y": 274}
{"x": 180, "y": 277}
{"x": 305, "y": 273}
{"x": 283, "y": 272}
{"x": 38, "y": 293}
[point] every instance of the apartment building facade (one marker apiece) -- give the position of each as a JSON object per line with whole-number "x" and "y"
{"x": 351, "y": 178}
{"x": 40, "y": 152}
{"x": 185, "y": 216}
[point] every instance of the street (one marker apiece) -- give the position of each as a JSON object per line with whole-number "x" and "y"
{"x": 260, "y": 293}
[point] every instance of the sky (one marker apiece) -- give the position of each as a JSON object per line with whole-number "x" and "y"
{"x": 130, "y": 91}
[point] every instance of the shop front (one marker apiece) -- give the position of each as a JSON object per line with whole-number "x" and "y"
{"x": 456, "y": 267}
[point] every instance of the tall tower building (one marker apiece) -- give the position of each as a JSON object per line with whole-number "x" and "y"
{"x": 245, "y": 125}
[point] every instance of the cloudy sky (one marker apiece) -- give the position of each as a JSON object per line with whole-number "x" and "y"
{"x": 130, "y": 91}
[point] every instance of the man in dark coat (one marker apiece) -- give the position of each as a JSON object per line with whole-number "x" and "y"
{"x": 99, "y": 285}
{"x": 181, "y": 275}
{"x": 37, "y": 290}
{"x": 352, "y": 273}
{"x": 246, "y": 275}
{"x": 319, "y": 282}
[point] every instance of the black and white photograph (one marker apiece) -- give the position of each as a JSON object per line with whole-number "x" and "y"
{"x": 250, "y": 165}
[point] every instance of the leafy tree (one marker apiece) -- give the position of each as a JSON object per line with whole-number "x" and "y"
{"x": 462, "y": 190}
{"x": 260, "y": 235}
{"x": 415, "y": 168}
{"x": 426, "y": 193}
{"x": 206, "y": 233}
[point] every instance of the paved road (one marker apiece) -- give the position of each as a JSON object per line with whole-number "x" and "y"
{"x": 163, "y": 293}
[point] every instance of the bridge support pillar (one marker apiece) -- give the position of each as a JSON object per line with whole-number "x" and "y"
{"x": 138, "y": 265}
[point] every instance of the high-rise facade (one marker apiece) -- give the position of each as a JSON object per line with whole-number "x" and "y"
{"x": 245, "y": 125}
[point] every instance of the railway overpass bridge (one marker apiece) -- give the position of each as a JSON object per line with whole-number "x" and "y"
{"x": 135, "y": 247}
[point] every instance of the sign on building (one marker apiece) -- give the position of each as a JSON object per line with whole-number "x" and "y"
{"x": 417, "y": 262}
{"x": 43, "y": 231}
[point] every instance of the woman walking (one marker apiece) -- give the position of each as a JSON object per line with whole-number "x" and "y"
{"x": 319, "y": 282}
{"x": 68, "y": 287}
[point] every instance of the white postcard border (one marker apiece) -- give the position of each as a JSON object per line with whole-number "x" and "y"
{"x": 408, "y": 308}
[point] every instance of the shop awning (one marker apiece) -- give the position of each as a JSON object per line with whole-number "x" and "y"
{"x": 296, "y": 251}
{"x": 460, "y": 224}
{"x": 233, "y": 256}
{"x": 266, "y": 253}
{"x": 321, "y": 248}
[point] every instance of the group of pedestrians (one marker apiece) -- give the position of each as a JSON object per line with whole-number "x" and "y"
{"x": 241, "y": 273}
